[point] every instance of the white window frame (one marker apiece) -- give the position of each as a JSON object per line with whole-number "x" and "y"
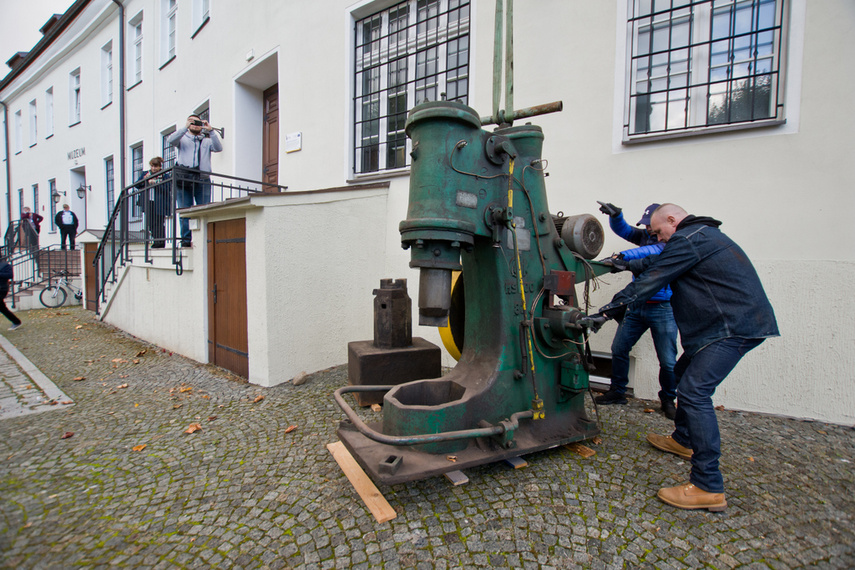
{"x": 107, "y": 74}
{"x": 168, "y": 30}
{"x": 110, "y": 184}
{"x": 49, "y": 112}
{"x": 75, "y": 95}
{"x": 135, "y": 45}
{"x": 402, "y": 33}
{"x": 689, "y": 108}
{"x": 19, "y": 134}
{"x": 201, "y": 14}
{"x": 34, "y": 123}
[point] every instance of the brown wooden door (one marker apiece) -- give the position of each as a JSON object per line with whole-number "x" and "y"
{"x": 91, "y": 285}
{"x": 228, "y": 343}
{"x": 270, "y": 144}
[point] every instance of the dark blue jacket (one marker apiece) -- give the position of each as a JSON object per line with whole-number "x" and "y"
{"x": 649, "y": 246}
{"x": 717, "y": 293}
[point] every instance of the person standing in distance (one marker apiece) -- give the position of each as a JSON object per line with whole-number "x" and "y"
{"x": 66, "y": 221}
{"x": 655, "y": 314}
{"x": 195, "y": 143}
{"x": 722, "y": 312}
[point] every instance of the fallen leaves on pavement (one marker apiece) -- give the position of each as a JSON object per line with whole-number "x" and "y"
{"x": 139, "y": 447}
{"x": 193, "y": 428}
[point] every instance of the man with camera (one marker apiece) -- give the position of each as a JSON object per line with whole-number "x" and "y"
{"x": 195, "y": 143}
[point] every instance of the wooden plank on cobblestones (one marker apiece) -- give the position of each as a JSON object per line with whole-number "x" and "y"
{"x": 582, "y": 450}
{"x": 516, "y": 462}
{"x": 376, "y": 502}
{"x": 457, "y": 478}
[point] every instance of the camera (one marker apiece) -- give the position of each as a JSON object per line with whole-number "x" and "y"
{"x": 197, "y": 123}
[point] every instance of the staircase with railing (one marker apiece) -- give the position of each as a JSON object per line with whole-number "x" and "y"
{"x": 34, "y": 266}
{"x": 145, "y": 218}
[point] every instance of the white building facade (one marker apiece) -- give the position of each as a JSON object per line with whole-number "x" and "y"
{"x": 731, "y": 109}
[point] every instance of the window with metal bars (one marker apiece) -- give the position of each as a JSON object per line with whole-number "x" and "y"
{"x": 407, "y": 54}
{"x": 703, "y": 64}
{"x": 137, "y": 170}
{"x": 167, "y": 150}
{"x": 109, "y": 184}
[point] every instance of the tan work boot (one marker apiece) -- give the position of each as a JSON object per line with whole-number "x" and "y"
{"x": 666, "y": 443}
{"x": 690, "y": 497}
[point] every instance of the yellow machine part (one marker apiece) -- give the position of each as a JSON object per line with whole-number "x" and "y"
{"x": 452, "y": 333}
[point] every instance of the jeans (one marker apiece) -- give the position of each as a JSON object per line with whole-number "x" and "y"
{"x": 67, "y": 234}
{"x": 5, "y": 310}
{"x": 190, "y": 186}
{"x": 659, "y": 318}
{"x": 696, "y": 425}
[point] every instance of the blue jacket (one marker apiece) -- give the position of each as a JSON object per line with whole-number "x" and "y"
{"x": 717, "y": 293}
{"x": 649, "y": 246}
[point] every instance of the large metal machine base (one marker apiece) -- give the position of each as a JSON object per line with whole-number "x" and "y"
{"x": 392, "y": 464}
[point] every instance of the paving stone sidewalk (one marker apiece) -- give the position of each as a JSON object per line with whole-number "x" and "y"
{"x": 131, "y": 489}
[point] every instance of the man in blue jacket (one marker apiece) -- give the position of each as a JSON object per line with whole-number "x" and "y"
{"x": 722, "y": 312}
{"x": 654, "y": 314}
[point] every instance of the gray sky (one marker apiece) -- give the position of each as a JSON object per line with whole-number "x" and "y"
{"x": 20, "y": 21}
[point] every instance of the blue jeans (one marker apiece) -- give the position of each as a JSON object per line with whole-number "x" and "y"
{"x": 696, "y": 426}
{"x": 659, "y": 318}
{"x": 189, "y": 187}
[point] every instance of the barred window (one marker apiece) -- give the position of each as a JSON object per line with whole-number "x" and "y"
{"x": 701, "y": 64}
{"x": 167, "y": 150}
{"x": 410, "y": 53}
{"x": 109, "y": 184}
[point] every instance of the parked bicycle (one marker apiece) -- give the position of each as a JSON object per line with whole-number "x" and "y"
{"x": 54, "y": 295}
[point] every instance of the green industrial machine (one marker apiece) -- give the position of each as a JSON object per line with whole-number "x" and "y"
{"x": 478, "y": 203}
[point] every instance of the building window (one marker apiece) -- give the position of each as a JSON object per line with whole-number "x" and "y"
{"x": 35, "y": 198}
{"x": 74, "y": 97}
{"x": 168, "y": 151}
{"x": 110, "y": 185}
{"x": 19, "y": 135}
{"x": 698, "y": 65}
{"x": 49, "y": 113}
{"x": 201, "y": 13}
{"x": 52, "y": 186}
{"x": 170, "y": 18}
{"x": 107, "y": 74}
{"x": 410, "y": 53}
{"x": 135, "y": 34}
{"x": 34, "y": 123}
{"x": 136, "y": 172}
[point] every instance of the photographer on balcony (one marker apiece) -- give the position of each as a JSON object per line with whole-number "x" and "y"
{"x": 195, "y": 143}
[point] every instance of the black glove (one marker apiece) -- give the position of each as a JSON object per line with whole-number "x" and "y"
{"x": 608, "y": 208}
{"x": 592, "y": 322}
{"x": 617, "y": 263}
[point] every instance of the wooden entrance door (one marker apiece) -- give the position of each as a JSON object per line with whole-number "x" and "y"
{"x": 91, "y": 285}
{"x": 228, "y": 343}
{"x": 270, "y": 144}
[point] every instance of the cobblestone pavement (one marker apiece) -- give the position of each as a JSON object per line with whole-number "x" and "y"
{"x": 242, "y": 493}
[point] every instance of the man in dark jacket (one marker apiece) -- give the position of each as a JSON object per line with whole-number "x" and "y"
{"x": 654, "y": 314}
{"x": 722, "y": 312}
{"x": 5, "y": 275}
{"x": 66, "y": 221}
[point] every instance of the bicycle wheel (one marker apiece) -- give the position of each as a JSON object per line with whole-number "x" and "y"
{"x": 52, "y": 296}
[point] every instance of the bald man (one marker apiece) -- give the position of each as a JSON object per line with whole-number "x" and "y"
{"x": 722, "y": 312}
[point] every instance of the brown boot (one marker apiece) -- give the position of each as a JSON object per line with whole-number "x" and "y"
{"x": 690, "y": 497}
{"x": 666, "y": 443}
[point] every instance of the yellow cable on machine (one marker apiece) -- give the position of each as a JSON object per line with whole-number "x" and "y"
{"x": 522, "y": 286}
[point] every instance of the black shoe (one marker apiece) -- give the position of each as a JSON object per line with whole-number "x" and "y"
{"x": 611, "y": 397}
{"x": 669, "y": 409}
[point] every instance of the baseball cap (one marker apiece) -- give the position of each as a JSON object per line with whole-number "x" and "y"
{"x": 645, "y": 219}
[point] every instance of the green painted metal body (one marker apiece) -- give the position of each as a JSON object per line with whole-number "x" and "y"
{"x": 520, "y": 354}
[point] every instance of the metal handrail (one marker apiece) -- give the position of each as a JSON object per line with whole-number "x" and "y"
{"x": 133, "y": 219}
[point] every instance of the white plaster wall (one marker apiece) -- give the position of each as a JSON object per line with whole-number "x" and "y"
{"x": 310, "y": 289}
{"x": 161, "y": 307}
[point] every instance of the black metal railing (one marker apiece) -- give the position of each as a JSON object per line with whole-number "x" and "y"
{"x": 146, "y": 214}
{"x": 34, "y": 267}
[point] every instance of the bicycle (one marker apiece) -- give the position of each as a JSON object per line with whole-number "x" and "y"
{"x": 54, "y": 296}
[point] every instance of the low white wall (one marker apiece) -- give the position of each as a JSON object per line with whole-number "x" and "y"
{"x": 310, "y": 288}
{"x": 152, "y": 302}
